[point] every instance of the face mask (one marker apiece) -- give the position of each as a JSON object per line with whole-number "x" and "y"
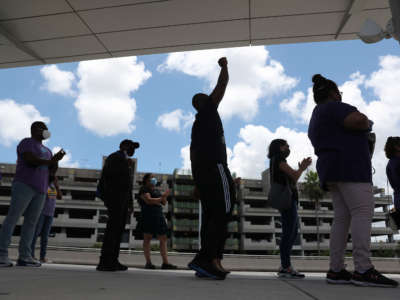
{"x": 46, "y": 134}
{"x": 126, "y": 154}
{"x": 286, "y": 153}
{"x": 153, "y": 181}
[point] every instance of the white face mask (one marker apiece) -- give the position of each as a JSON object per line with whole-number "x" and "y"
{"x": 46, "y": 134}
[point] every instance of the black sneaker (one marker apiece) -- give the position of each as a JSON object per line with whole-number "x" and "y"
{"x": 199, "y": 275}
{"x": 121, "y": 267}
{"x": 107, "y": 268}
{"x": 341, "y": 277}
{"x": 206, "y": 269}
{"x": 150, "y": 266}
{"x": 372, "y": 278}
{"x": 290, "y": 273}
{"x": 168, "y": 267}
{"x": 28, "y": 263}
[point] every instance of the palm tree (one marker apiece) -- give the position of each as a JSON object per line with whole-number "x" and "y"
{"x": 312, "y": 189}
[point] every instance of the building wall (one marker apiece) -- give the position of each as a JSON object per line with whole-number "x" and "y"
{"x": 80, "y": 217}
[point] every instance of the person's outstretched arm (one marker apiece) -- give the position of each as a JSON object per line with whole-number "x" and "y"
{"x": 219, "y": 90}
{"x": 295, "y": 174}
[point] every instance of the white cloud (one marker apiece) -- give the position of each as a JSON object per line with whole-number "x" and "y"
{"x": 58, "y": 81}
{"x": 248, "y": 158}
{"x": 175, "y": 120}
{"x": 104, "y": 104}
{"x": 16, "y": 120}
{"x": 253, "y": 76}
{"x": 249, "y": 155}
{"x": 66, "y": 162}
{"x": 384, "y": 110}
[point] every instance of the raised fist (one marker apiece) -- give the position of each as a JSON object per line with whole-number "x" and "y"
{"x": 223, "y": 62}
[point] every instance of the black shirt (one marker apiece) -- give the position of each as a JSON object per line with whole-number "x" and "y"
{"x": 208, "y": 142}
{"x": 280, "y": 176}
{"x": 116, "y": 179}
{"x": 146, "y": 208}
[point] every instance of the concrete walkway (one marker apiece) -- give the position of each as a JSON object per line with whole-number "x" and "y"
{"x": 55, "y": 281}
{"x": 261, "y": 263}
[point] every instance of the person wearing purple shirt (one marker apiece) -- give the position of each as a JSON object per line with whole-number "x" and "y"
{"x": 43, "y": 226}
{"x": 392, "y": 151}
{"x": 35, "y": 163}
{"x": 340, "y": 135}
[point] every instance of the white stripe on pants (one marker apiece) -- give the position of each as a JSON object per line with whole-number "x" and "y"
{"x": 225, "y": 186}
{"x": 353, "y": 205}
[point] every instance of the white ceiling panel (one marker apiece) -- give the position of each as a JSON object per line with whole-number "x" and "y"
{"x": 262, "y": 8}
{"x": 164, "y": 14}
{"x": 20, "y": 64}
{"x": 180, "y": 48}
{"x": 11, "y": 54}
{"x": 70, "y": 30}
{"x": 77, "y": 58}
{"x": 176, "y": 36}
{"x": 67, "y": 47}
{"x": 295, "y": 26}
{"x": 380, "y": 16}
{"x": 94, "y": 4}
{"x": 295, "y": 40}
{"x": 47, "y": 27}
{"x": 371, "y": 4}
{"x": 13, "y": 9}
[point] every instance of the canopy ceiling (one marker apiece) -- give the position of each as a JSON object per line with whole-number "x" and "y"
{"x": 52, "y": 31}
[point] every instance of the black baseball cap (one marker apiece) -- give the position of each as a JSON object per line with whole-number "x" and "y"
{"x": 129, "y": 143}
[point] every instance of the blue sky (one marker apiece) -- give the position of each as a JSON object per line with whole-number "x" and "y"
{"x": 252, "y": 115}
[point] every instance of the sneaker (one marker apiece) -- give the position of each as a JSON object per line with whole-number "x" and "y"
{"x": 121, "y": 267}
{"x": 372, "y": 278}
{"x": 45, "y": 261}
{"x": 150, "y": 266}
{"x": 199, "y": 275}
{"x": 341, "y": 277}
{"x": 206, "y": 269}
{"x": 28, "y": 263}
{"x": 168, "y": 267}
{"x": 107, "y": 268}
{"x": 6, "y": 263}
{"x": 289, "y": 273}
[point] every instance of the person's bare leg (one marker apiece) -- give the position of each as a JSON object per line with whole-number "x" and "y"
{"x": 146, "y": 247}
{"x": 215, "y": 263}
{"x": 163, "y": 248}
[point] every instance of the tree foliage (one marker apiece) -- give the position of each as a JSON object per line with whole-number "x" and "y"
{"x": 311, "y": 186}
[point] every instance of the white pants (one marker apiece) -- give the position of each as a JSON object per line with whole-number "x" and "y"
{"x": 353, "y": 205}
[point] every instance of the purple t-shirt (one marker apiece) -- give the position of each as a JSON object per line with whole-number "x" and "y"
{"x": 50, "y": 204}
{"x": 35, "y": 176}
{"x": 343, "y": 155}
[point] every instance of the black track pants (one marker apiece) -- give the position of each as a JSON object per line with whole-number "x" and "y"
{"x": 217, "y": 195}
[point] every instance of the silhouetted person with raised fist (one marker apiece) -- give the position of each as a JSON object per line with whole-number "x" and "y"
{"x": 212, "y": 178}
